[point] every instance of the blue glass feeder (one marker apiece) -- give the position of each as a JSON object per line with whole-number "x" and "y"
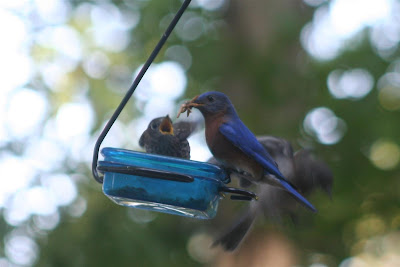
{"x": 159, "y": 183}
{"x": 165, "y": 184}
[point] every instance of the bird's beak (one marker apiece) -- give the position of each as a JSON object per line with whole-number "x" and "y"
{"x": 187, "y": 106}
{"x": 166, "y": 126}
{"x": 194, "y": 103}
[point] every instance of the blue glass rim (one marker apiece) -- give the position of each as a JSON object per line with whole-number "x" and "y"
{"x": 125, "y": 157}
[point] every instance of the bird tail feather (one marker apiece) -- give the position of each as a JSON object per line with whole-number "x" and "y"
{"x": 231, "y": 239}
{"x": 297, "y": 195}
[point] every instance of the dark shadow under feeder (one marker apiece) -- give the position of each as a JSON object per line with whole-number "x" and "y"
{"x": 165, "y": 184}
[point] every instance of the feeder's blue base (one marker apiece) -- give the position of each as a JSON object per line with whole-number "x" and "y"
{"x": 198, "y": 198}
{"x": 194, "y": 199}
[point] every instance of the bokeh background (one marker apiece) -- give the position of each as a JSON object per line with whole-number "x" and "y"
{"x": 322, "y": 74}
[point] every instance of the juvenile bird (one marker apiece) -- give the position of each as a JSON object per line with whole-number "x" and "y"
{"x": 301, "y": 168}
{"x": 235, "y": 146}
{"x": 164, "y": 138}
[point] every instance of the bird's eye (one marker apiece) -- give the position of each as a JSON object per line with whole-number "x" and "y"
{"x": 153, "y": 126}
{"x": 210, "y": 98}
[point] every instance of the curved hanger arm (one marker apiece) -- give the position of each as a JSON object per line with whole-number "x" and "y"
{"x": 136, "y": 82}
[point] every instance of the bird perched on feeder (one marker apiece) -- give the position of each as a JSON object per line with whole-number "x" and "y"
{"x": 165, "y": 138}
{"x": 301, "y": 168}
{"x": 235, "y": 146}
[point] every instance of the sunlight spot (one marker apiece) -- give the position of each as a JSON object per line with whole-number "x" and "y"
{"x": 198, "y": 147}
{"x": 378, "y": 250}
{"x": 62, "y": 187}
{"x": 318, "y": 265}
{"x": 96, "y": 65}
{"x": 74, "y": 120}
{"x": 44, "y": 154}
{"x": 4, "y": 133}
{"x": 14, "y": 5}
{"x": 18, "y": 73}
{"x": 335, "y": 26}
{"x": 17, "y": 210}
{"x": 346, "y": 22}
{"x": 12, "y": 26}
{"x": 180, "y": 54}
{"x": 385, "y": 37}
{"x": 389, "y": 91}
{"x": 46, "y": 222}
{"x": 353, "y": 262}
{"x": 353, "y": 84}
{"x": 318, "y": 38}
{"x": 314, "y": 2}
{"x": 119, "y": 79}
{"x": 40, "y": 200}
{"x": 199, "y": 248}
{"x": 15, "y": 64}
{"x": 391, "y": 242}
{"x": 116, "y": 137}
{"x": 389, "y": 97}
{"x": 53, "y": 72}
{"x": 385, "y": 154}
{"x": 137, "y": 127}
{"x": 369, "y": 226}
{"x": 141, "y": 216}
{"x": 210, "y": 4}
{"x": 158, "y": 107}
{"x": 16, "y": 174}
{"x": 64, "y": 39}
{"x": 166, "y": 80}
{"x": 21, "y": 249}
{"x": 78, "y": 207}
{"x": 53, "y": 12}
{"x": 26, "y": 110}
{"x": 190, "y": 28}
{"x": 110, "y": 28}
{"x": 324, "y": 125}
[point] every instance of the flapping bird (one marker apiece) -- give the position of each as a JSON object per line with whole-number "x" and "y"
{"x": 302, "y": 169}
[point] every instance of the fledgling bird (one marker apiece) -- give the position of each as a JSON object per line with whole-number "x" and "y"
{"x": 235, "y": 146}
{"x": 164, "y": 138}
{"x": 301, "y": 168}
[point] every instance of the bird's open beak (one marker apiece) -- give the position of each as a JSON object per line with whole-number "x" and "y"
{"x": 187, "y": 106}
{"x": 166, "y": 126}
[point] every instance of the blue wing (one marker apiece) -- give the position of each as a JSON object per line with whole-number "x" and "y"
{"x": 237, "y": 133}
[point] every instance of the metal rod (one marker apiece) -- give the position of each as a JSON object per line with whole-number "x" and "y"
{"x": 138, "y": 78}
{"x": 240, "y": 192}
{"x": 149, "y": 173}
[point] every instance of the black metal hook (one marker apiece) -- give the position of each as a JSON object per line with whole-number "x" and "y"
{"x": 133, "y": 87}
{"x": 240, "y": 194}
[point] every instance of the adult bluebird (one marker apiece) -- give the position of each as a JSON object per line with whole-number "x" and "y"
{"x": 235, "y": 146}
{"x": 164, "y": 138}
